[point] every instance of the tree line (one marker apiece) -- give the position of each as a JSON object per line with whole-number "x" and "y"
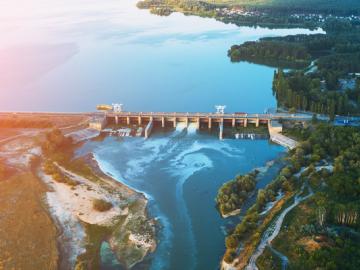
{"x": 308, "y": 93}
{"x": 271, "y": 53}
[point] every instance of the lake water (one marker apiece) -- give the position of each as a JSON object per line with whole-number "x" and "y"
{"x": 70, "y": 55}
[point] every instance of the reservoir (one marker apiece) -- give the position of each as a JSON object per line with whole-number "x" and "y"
{"x": 70, "y": 55}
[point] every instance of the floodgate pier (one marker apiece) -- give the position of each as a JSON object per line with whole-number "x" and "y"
{"x": 218, "y": 120}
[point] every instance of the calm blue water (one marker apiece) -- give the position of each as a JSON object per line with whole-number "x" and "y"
{"x": 180, "y": 172}
{"x": 70, "y": 55}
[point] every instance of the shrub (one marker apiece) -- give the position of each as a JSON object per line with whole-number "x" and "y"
{"x": 231, "y": 242}
{"x": 229, "y": 256}
{"x": 51, "y": 169}
{"x": 101, "y": 205}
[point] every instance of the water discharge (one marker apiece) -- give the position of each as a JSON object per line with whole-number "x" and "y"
{"x": 192, "y": 128}
{"x": 180, "y": 127}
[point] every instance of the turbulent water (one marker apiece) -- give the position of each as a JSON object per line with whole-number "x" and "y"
{"x": 180, "y": 172}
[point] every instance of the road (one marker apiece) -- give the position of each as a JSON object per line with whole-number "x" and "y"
{"x": 264, "y": 116}
{"x": 34, "y": 132}
{"x": 22, "y": 134}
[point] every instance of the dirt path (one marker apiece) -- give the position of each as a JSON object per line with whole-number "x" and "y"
{"x": 27, "y": 133}
{"x": 274, "y": 230}
{"x": 282, "y": 257}
{"x": 71, "y": 128}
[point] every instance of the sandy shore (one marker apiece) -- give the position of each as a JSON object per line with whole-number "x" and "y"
{"x": 129, "y": 231}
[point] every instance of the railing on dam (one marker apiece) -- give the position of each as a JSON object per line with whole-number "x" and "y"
{"x": 275, "y": 116}
{"x": 234, "y": 119}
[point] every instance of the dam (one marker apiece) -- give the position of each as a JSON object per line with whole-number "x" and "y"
{"x": 208, "y": 120}
{"x": 219, "y": 120}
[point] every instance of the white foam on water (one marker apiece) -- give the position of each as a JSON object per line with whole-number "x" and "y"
{"x": 158, "y": 262}
{"x": 182, "y": 170}
{"x": 218, "y": 146}
{"x": 182, "y": 156}
{"x": 188, "y": 165}
{"x": 192, "y": 128}
{"x": 107, "y": 168}
{"x": 145, "y": 153}
{"x": 180, "y": 127}
{"x": 151, "y": 150}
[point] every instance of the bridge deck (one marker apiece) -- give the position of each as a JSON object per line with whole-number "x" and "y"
{"x": 212, "y": 115}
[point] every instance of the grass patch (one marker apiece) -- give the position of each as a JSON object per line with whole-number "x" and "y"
{"x": 268, "y": 261}
{"x": 95, "y": 235}
{"x": 51, "y": 169}
{"x": 27, "y": 232}
{"x": 297, "y": 224}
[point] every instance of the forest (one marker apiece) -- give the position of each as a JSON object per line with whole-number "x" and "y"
{"x": 327, "y": 160}
{"x": 330, "y": 85}
{"x": 270, "y": 53}
{"x": 308, "y": 93}
{"x": 330, "y": 219}
{"x": 283, "y": 6}
{"x": 328, "y": 6}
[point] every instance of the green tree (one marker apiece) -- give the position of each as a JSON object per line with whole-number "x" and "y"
{"x": 231, "y": 242}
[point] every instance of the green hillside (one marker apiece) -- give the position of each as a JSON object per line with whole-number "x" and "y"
{"x": 206, "y": 7}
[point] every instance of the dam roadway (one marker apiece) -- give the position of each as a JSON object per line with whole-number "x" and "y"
{"x": 263, "y": 116}
{"x": 209, "y": 120}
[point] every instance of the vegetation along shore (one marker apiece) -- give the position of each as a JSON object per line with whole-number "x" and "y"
{"x": 320, "y": 187}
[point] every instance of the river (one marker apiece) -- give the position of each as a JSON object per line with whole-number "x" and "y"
{"x": 180, "y": 172}
{"x": 70, "y": 55}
